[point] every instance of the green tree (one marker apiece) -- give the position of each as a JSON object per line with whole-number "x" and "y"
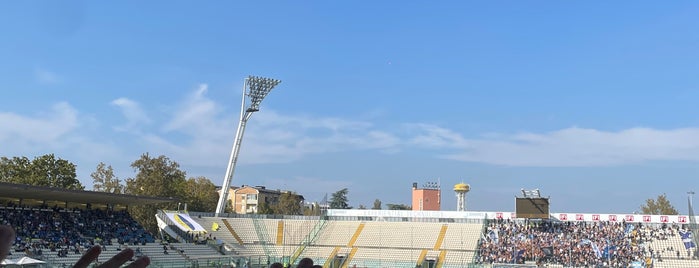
{"x": 289, "y": 204}
{"x": 658, "y": 206}
{"x": 159, "y": 177}
{"x": 52, "y": 172}
{"x": 377, "y": 204}
{"x": 339, "y": 200}
{"x": 264, "y": 208}
{"x": 200, "y": 195}
{"x": 361, "y": 206}
{"x": 398, "y": 207}
{"x": 229, "y": 208}
{"x": 15, "y": 170}
{"x": 104, "y": 180}
{"x": 45, "y": 170}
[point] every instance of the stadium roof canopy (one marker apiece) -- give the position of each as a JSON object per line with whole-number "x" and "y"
{"x": 11, "y": 190}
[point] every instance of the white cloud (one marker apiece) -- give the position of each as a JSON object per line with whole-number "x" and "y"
{"x": 195, "y": 111}
{"x": 274, "y": 137}
{"x": 61, "y": 130}
{"x": 44, "y": 128}
{"x": 200, "y": 131}
{"x": 135, "y": 116}
{"x": 566, "y": 147}
{"x": 270, "y": 137}
{"x": 46, "y": 77}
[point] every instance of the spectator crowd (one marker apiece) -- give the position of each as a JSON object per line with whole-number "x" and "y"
{"x": 577, "y": 244}
{"x": 57, "y": 231}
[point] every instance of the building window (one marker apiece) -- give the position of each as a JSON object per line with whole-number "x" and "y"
{"x": 251, "y": 197}
{"x": 251, "y": 209}
{"x": 420, "y": 205}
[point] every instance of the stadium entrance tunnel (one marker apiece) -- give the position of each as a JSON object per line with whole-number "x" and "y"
{"x": 338, "y": 261}
{"x": 429, "y": 263}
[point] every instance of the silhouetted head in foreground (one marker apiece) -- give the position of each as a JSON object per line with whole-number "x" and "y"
{"x": 305, "y": 263}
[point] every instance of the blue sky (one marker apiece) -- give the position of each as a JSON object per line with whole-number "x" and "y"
{"x": 593, "y": 103}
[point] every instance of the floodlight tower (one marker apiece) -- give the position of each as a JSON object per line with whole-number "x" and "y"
{"x": 690, "y": 196}
{"x": 256, "y": 89}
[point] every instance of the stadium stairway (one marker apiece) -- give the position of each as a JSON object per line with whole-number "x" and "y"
{"x": 356, "y": 235}
{"x": 441, "y": 259}
{"x": 280, "y": 233}
{"x": 351, "y": 243}
{"x": 230, "y": 229}
{"x": 440, "y": 238}
{"x": 332, "y": 255}
{"x": 349, "y": 257}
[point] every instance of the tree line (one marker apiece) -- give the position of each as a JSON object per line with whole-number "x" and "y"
{"x": 45, "y": 170}
{"x": 339, "y": 200}
{"x": 155, "y": 176}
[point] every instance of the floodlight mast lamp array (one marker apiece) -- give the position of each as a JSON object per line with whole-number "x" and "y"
{"x": 256, "y": 89}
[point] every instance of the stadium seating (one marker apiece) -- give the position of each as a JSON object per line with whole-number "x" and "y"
{"x": 60, "y": 236}
{"x": 462, "y": 236}
{"x": 366, "y": 243}
{"x": 406, "y": 244}
{"x": 581, "y": 244}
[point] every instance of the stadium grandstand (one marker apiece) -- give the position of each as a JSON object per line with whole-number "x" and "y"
{"x": 398, "y": 238}
{"x": 401, "y": 238}
{"x": 54, "y": 227}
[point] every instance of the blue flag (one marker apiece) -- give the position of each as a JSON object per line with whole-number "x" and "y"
{"x": 606, "y": 253}
{"x": 687, "y": 239}
{"x": 518, "y": 255}
{"x": 598, "y": 253}
{"x": 637, "y": 264}
{"x": 493, "y": 235}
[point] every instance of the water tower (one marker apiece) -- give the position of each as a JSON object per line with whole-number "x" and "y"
{"x": 461, "y": 189}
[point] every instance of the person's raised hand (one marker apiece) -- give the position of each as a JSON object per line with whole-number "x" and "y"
{"x": 115, "y": 262}
{"x": 7, "y": 237}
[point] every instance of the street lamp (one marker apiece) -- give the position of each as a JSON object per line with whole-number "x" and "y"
{"x": 256, "y": 89}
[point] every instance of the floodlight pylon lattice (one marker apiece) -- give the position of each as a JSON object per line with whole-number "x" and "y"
{"x": 531, "y": 193}
{"x": 255, "y": 89}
